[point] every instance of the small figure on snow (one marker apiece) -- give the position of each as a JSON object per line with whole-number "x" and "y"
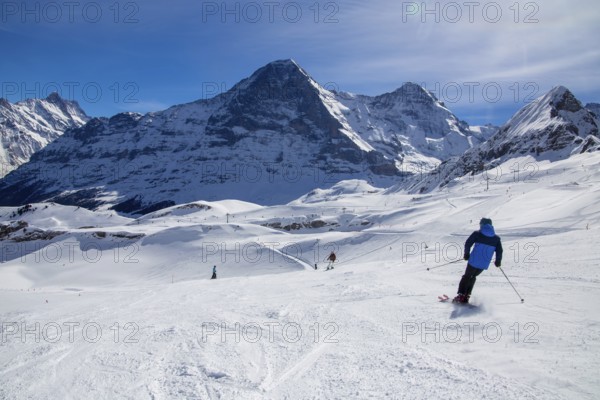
{"x": 484, "y": 242}
{"x": 214, "y": 275}
{"x": 331, "y": 260}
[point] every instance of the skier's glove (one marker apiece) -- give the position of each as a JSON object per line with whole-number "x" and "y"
{"x": 497, "y": 263}
{"x": 466, "y": 257}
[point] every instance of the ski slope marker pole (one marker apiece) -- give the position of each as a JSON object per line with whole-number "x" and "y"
{"x": 503, "y": 273}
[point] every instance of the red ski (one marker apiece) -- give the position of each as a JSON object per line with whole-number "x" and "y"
{"x": 445, "y": 299}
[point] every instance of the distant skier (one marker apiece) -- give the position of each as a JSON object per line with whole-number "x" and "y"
{"x": 486, "y": 243}
{"x": 332, "y": 257}
{"x": 214, "y": 275}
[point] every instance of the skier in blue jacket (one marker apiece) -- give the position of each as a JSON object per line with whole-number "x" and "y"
{"x": 484, "y": 242}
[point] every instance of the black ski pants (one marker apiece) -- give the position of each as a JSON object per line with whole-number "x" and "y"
{"x": 468, "y": 280}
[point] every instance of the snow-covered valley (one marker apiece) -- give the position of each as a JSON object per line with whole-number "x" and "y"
{"x": 97, "y": 305}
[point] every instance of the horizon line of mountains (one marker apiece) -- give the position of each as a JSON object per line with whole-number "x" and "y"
{"x": 270, "y": 139}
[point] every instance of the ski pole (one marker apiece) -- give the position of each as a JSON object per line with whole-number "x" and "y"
{"x": 522, "y": 299}
{"x": 443, "y": 265}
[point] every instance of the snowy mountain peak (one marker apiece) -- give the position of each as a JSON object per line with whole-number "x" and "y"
{"x": 553, "y": 127}
{"x": 288, "y": 65}
{"x": 415, "y": 91}
{"x": 563, "y": 100}
{"x": 284, "y": 63}
{"x": 278, "y": 80}
{"x": 4, "y": 103}
{"x": 555, "y": 122}
{"x": 558, "y": 104}
{"x": 29, "y": 125}
{"x": 54, "y": 97}
{"x": 557, "y": 91}
{"x": 408, "y": 93}
{"x": 411, "y": 124}
{"x": 557, "y": 112}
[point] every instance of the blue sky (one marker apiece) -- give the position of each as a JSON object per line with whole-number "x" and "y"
{"x": 485, "y": 59}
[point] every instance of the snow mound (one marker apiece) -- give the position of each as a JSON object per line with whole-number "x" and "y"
{"x": 56, "y": 216}
{"x": 200, "y": 211}
{"x": 344, "y": 188}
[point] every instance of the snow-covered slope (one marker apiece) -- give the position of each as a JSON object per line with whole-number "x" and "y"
{"x": 29, "y": 125}
{"x": 127, "y": 310}
{"x": 273, "y": 137}
{"x": 56, "y": 216}
{"x": 553, "y": 127}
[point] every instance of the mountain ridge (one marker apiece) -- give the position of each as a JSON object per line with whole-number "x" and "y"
{"x": 273, "y": 137}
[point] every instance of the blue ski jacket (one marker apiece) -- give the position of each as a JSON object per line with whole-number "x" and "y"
{"x": 486, "y": 243}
